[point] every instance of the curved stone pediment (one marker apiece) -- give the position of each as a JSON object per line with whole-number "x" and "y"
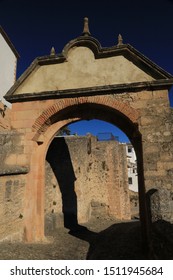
{"x": 83, "y": 63}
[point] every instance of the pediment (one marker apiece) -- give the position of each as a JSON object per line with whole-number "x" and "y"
{"x": 84, "y": 64}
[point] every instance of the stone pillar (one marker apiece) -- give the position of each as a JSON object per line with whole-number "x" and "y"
{"x": 34, "y": 196}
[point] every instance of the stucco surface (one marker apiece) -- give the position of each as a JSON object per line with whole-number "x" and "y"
{"x": 8, "y": 67}
{"x": 82, "y": 70}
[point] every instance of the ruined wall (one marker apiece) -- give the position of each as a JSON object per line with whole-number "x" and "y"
{"x": 134, "y": 204}
{"x": 87, "y": 178}
{"x": 124, "y": 186}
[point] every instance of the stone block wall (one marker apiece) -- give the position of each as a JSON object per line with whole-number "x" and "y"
{"x": 87, "y": 178}
{"x": 134, "y": 204}
{"x": 12, "y": 207}
{"x": 13, "y": 166}
{"x": 156, "y": 127}
{"x": 13, "y": 157}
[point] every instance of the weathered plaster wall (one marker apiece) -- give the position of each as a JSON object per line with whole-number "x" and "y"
{"x": 87, "y": 178}
{"x": 8, "y": 66}
{"x": 72, "y": 74}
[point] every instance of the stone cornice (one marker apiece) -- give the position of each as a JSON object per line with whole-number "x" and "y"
{"x": 14, "y": 170}
{"x": 99, "y": 90}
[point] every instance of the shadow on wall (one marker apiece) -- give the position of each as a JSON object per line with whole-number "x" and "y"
{"x": 59, "y": 159}
{"x": 160, "y": 205}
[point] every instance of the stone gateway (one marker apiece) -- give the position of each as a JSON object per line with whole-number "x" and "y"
{"x": 86, "y": 81}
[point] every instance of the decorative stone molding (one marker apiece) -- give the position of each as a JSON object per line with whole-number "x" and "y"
{"x": 44, "y": 120}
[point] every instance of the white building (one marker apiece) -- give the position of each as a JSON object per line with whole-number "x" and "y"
{"x": 132, "y": 168}
{"x": 8, "y": 64}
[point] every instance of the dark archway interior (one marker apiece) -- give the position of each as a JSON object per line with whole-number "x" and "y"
{"x": 59, "y": 159}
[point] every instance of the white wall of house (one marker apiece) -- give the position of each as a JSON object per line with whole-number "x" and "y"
{"x": 132, "y": 168}
{"x": 8, "y": 61}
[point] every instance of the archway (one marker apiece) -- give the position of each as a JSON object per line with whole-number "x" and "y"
{"x": 88, "y": 111}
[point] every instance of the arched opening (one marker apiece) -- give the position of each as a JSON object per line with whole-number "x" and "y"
{"x": 91, "y": 174}
{"x": 95, "y": 111}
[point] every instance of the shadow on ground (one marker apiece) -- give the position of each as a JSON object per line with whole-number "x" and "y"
{"x": 120, "y": 241}
{"x": 98, "y": 240}
{"x": 162, "y": 240}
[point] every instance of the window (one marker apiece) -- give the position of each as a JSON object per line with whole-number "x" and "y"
{"x": 129, "y": 149}
{"x": 130, "y": 180}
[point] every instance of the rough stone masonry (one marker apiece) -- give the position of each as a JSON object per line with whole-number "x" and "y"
{"x": 86, "y": 178}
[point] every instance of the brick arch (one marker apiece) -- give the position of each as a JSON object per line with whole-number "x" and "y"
{"x": 43, "y": 122}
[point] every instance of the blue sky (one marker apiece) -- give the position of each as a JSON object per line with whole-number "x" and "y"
{"x": 35, "y": 26}
{"x": 95, "y": 127}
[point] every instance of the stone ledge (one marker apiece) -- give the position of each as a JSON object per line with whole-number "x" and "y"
{"x": 90, "y": 91}
{"x": 14, "y": 170}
